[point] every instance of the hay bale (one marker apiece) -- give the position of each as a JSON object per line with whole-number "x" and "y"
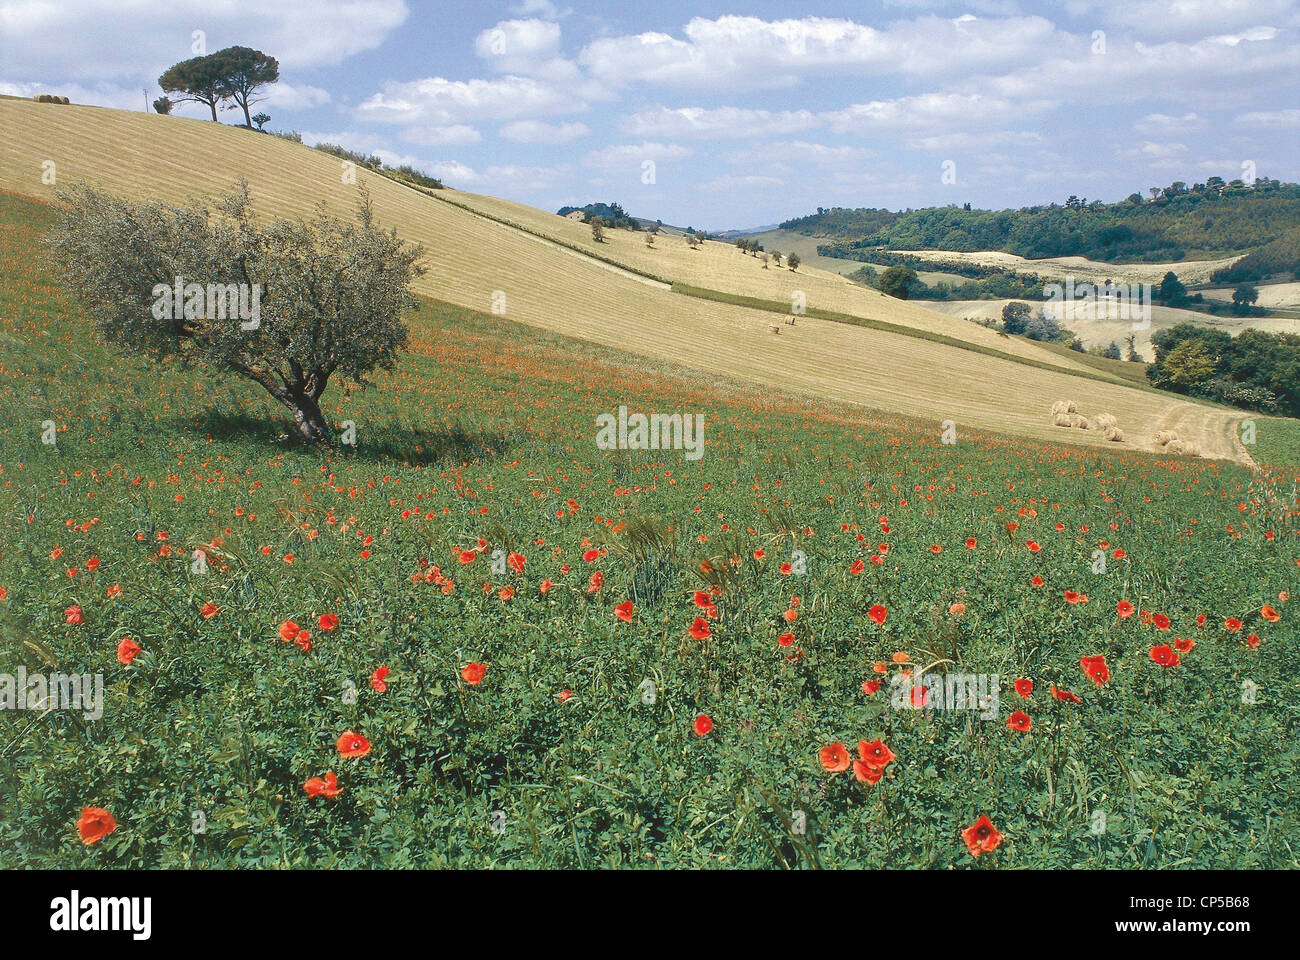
{"x": 775, "y": 327}
{"x": 1114, "y": 434}
{"x": 1103, "y": 420}
{"x": 1163, "y": 437}
{"x": 1078, "y": 421}
{"x": 1061, "y": 420}
{"x": 1064, "y": 406}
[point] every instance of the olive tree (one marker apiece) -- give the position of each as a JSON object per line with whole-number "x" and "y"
{"x": 316, "y": 298}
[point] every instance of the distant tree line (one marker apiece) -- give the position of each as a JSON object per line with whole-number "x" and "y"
{"x": 611, "y": 215}
{"x": 1178, "y": 219}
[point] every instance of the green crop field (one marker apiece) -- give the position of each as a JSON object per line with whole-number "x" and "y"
{"x": 547, "y": 654}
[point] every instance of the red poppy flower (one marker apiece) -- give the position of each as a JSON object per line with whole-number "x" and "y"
{"x": 871, "y": 687}
{"x": 95, "y": 824}
{"x": 791, "y": 615}
{"x": 1037, "y": 581}
{"x": 302, "y": 640}
{"x": 624, "y": 611}
{"x": 785, "y": 639}
{"x": 1096, "y": 669}
{"x": 834, "y": 758}
{"x": 1269, "y": 614}
{"x": 1020, "y": 722}
{"x": 92, "y": 564}
{"x": 981, "y": 837}
{"x": 323, "y": 787}
{"x": 209, "y": 610}
{"x": 467, "y": 556}
{"x": 72, "y": 615}
{"x": 352, "y": 744}
{"x": 700, "y": 629}
{"x": 473, "y": 673}
{"x": 858, "y": 567}
{"x": 1073, "y": 597}
{"x": 1164, "y": 656}
{"x": 1033, "y": 546}
{"x": 327, "y": 622}
{"x": 865, "y": 773}
{"x": 1065, "y": 695}
{"x": 379, "y": 679}
{"x": 564, "y": 695}
{"x": 971, "y": 543}
{"x": 1232, "y": 623}
{"x": 703, "y": 725}
{"x": 878, "y": 614}
{"x": 1160, "y": 621}
{"x": 875, "y": 753}
{"x": 127, "y": 651}
{"x": 1125, "y": 609}
{"x": 516, "y": 562}
{"x": 935, "y": 548}
{"x": 288, "y": 630}
{"x": 1024, "y": 687}
{"x": 1183, "y": 646}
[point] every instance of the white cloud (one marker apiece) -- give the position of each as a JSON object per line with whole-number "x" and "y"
{"x": 631, "y": 156}
{"x": 1163, "y": 122}
{"x": 537, "y": 131}
{"x": 1289, "y": 119}
{"x": 90, "y": 39}
{"x": 436, "y": 100}
{"x": 720, "y": 122}
{"x": 745, "y": 52}
{"x": 287, "y": 96}
{"x": 452, "y": 135}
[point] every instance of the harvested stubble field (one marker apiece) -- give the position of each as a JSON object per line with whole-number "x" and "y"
{"x": 1081, "y": 268}
{"x": 471, "y": 258}
{"x": 678, "y": 657}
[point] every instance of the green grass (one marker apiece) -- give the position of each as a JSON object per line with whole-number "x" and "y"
{"x": 486, "y": 431}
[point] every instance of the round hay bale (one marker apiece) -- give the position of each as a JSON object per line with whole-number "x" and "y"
{"x": 1114, "y": 434}
{"x": 1078, "y": 421}
{"x": 1164, "y": 437}
{"x": 1103, "y": 420}
{"x": 1061, "y": 420}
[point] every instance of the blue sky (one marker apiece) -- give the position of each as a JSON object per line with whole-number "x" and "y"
{"x": 731, "y": 114}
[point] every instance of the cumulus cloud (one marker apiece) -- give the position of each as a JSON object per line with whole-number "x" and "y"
{"x": 537, "y": 131}
{"x": 720, "y": 122}
{"x": 745, "y": 52}
{"x": 437, "y": 100}
{"x": 89, "y": 39}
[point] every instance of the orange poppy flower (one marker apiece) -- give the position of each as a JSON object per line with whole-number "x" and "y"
{"x": 1269, "y": 614}
{"x": 473, "y": 673}
{"x": 956, "y": 609}
{"x": 288, "y": 630}
{"x": 1064, "y": 695}
{"x": 857, "y": 568}
{"x": 95, "y": 824}
{"x": 834, "y": 758}
{"x": 865, "y": 773}
{"x": 323, "y": 787}
{"x": 981, "y": 837}
{"x": 1124, "y": 609}
{"x": 624, "y": 611}
{"x": 700, "y": 629}
{"x": 1020, "y": 722}
{"x": 878, "y": 614}
{"x": 352, "y": 744}
{"x": 875, "y": 753}
{"x": 327, "y": 622}
{"x": 703, "y": 725}
{"x": 127, "y": 651}
{"x": 209, "y": 610}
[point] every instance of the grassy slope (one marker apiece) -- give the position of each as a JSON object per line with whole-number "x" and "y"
{"x": 547, "y": 286}
{"x": 484, "y": 432}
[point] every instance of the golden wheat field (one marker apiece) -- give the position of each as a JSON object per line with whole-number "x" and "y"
{"x": 475, "y": 261}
